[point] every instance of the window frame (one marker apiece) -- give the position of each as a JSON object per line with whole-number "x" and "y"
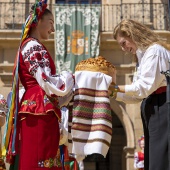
{"x": 78, "y": 1}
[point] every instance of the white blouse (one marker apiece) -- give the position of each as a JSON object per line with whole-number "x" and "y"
{"x": 52, "y": 84}
{"x": 148, "y": 78}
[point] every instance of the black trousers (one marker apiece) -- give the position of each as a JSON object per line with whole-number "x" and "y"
{"x": 154, "y": 113}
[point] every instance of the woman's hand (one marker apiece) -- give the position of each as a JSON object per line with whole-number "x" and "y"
{"x": 113, "y": 89}
{"x": 118, "y": 88}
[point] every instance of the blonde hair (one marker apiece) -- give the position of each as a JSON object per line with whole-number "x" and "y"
{"x": 140, "y": 34}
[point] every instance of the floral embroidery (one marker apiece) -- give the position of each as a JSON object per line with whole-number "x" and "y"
{"x": 62, "y": 87}
{"x": 39, "y": 57}
{"x": 3, "y": 106}
{"x": 28, "y": 102}
{"x": 46, "y": 100}
{"x": 36, "y": 57}
{"x": 3, "y": 103}
{"x": 44, "y": 77}
{"x": 49, "y": 163}
{"x": 53, "y": 100}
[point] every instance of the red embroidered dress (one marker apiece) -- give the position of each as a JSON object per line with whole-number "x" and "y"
{"x": 39, "y": 107}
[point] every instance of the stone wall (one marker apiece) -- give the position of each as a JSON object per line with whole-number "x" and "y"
{"x": 128, "y": 115}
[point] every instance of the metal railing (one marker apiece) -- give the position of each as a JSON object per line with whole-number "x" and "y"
{"x": 155, "y": 15}
{"x": 13, "y": 15}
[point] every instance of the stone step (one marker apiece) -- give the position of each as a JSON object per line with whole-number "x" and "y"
{"x": 6, "y": 68}
{"x": 6, "y": 78}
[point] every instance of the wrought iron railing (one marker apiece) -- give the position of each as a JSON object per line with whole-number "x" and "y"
{"x": 14, "y": 14}
{"x": 155, "y": 15}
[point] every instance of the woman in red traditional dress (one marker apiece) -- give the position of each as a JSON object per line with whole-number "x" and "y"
{"x": 45, "y": 93}
{"x": 139, "y": 156}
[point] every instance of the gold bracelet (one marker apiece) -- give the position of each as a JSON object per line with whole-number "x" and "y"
{"x": 114, "y": 92}
{"x": 116, "y": 87}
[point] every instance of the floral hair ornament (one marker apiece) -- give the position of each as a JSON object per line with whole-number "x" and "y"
{"x": 9, "y": 138}
{"x": 3, "y": 106}
{"x": 140, "y": 139}
{"x": 33, "y": 18}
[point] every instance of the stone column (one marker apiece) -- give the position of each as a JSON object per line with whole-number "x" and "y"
{"x": 129, "y": 154}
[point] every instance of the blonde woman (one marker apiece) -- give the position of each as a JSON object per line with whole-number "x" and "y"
{"x": 148, "y": 86}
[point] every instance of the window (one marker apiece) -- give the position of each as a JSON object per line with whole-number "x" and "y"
{"x": 78, "y": 1}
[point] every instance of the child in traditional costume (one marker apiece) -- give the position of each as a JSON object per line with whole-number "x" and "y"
{"x": 139, "y": 156}
{"x": 3, "y": 112}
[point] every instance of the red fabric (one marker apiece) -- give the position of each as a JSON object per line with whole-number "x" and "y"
{"x": 160, "y": 90}
{"x": 141, "y": 156}
{"x": 68, "y": 160}
{"x": 39, "y": 140}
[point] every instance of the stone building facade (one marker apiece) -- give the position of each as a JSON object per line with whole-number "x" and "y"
{"x": 127, "y": 125}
